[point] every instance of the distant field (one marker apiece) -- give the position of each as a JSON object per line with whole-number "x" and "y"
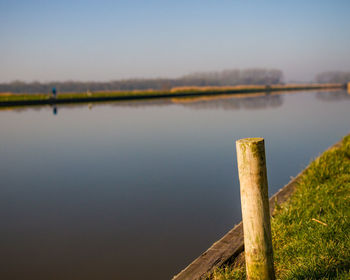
{"x": 7, "y": 99}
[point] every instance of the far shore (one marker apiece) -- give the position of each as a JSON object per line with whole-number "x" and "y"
{"x": 13, "y": 99}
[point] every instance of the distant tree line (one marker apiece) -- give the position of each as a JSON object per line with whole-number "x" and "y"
{"x": 234, "y": 77}
{"x": 222, "y": 78}
{"x": 333, "y": 77}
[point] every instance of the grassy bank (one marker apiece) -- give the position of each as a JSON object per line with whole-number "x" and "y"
{"x": 32, "y": 99}
{"x": 311, "y": 231}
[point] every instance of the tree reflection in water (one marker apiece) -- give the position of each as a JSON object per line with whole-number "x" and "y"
{"x": 333, "y": 96}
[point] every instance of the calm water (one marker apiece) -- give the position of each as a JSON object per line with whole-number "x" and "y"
{"x": 137, "y": 190}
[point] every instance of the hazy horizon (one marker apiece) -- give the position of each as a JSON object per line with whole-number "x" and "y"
{"x": 113, "y": 40}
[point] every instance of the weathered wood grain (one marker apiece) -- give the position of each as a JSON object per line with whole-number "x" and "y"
{"x": 255, "y": 208}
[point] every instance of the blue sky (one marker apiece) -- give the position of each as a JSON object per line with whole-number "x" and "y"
{"x": 106, "y": 40}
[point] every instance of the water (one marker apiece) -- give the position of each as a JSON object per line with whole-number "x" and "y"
{"x": 137, "y": 190}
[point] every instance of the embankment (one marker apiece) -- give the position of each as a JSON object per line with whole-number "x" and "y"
{"x": 9, "y": 99}
{"x": 309, "y": 227}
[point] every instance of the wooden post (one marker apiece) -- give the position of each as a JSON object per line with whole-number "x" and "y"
{"x": 255, "y": 208}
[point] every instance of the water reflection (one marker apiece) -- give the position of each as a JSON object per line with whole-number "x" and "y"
{"x": 226, "y": 102}
{"x": 145, "y": 180}
{"x": 257, "y": 102}
{"x": 333, "y": 96}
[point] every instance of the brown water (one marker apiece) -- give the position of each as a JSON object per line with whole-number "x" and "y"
{"x": 137, "y": 190}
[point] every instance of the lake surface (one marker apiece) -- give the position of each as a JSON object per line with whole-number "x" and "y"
{"x": 137, "y": 190}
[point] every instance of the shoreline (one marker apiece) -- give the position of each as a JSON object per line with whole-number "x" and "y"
{"x": 231, "y": 245}
{"x": 7, "y": 100}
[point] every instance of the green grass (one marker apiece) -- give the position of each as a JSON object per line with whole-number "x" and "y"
{"x": 82, "y": 96}
{"x": 23, "y": 97}
{"x": 116, "y": 94}
{"x": 304, "y": 248}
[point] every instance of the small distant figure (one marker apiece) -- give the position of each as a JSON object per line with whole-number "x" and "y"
{"x": 54, "y": 92}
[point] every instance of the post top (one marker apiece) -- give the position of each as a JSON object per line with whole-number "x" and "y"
{"x": 254, "y": 140}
